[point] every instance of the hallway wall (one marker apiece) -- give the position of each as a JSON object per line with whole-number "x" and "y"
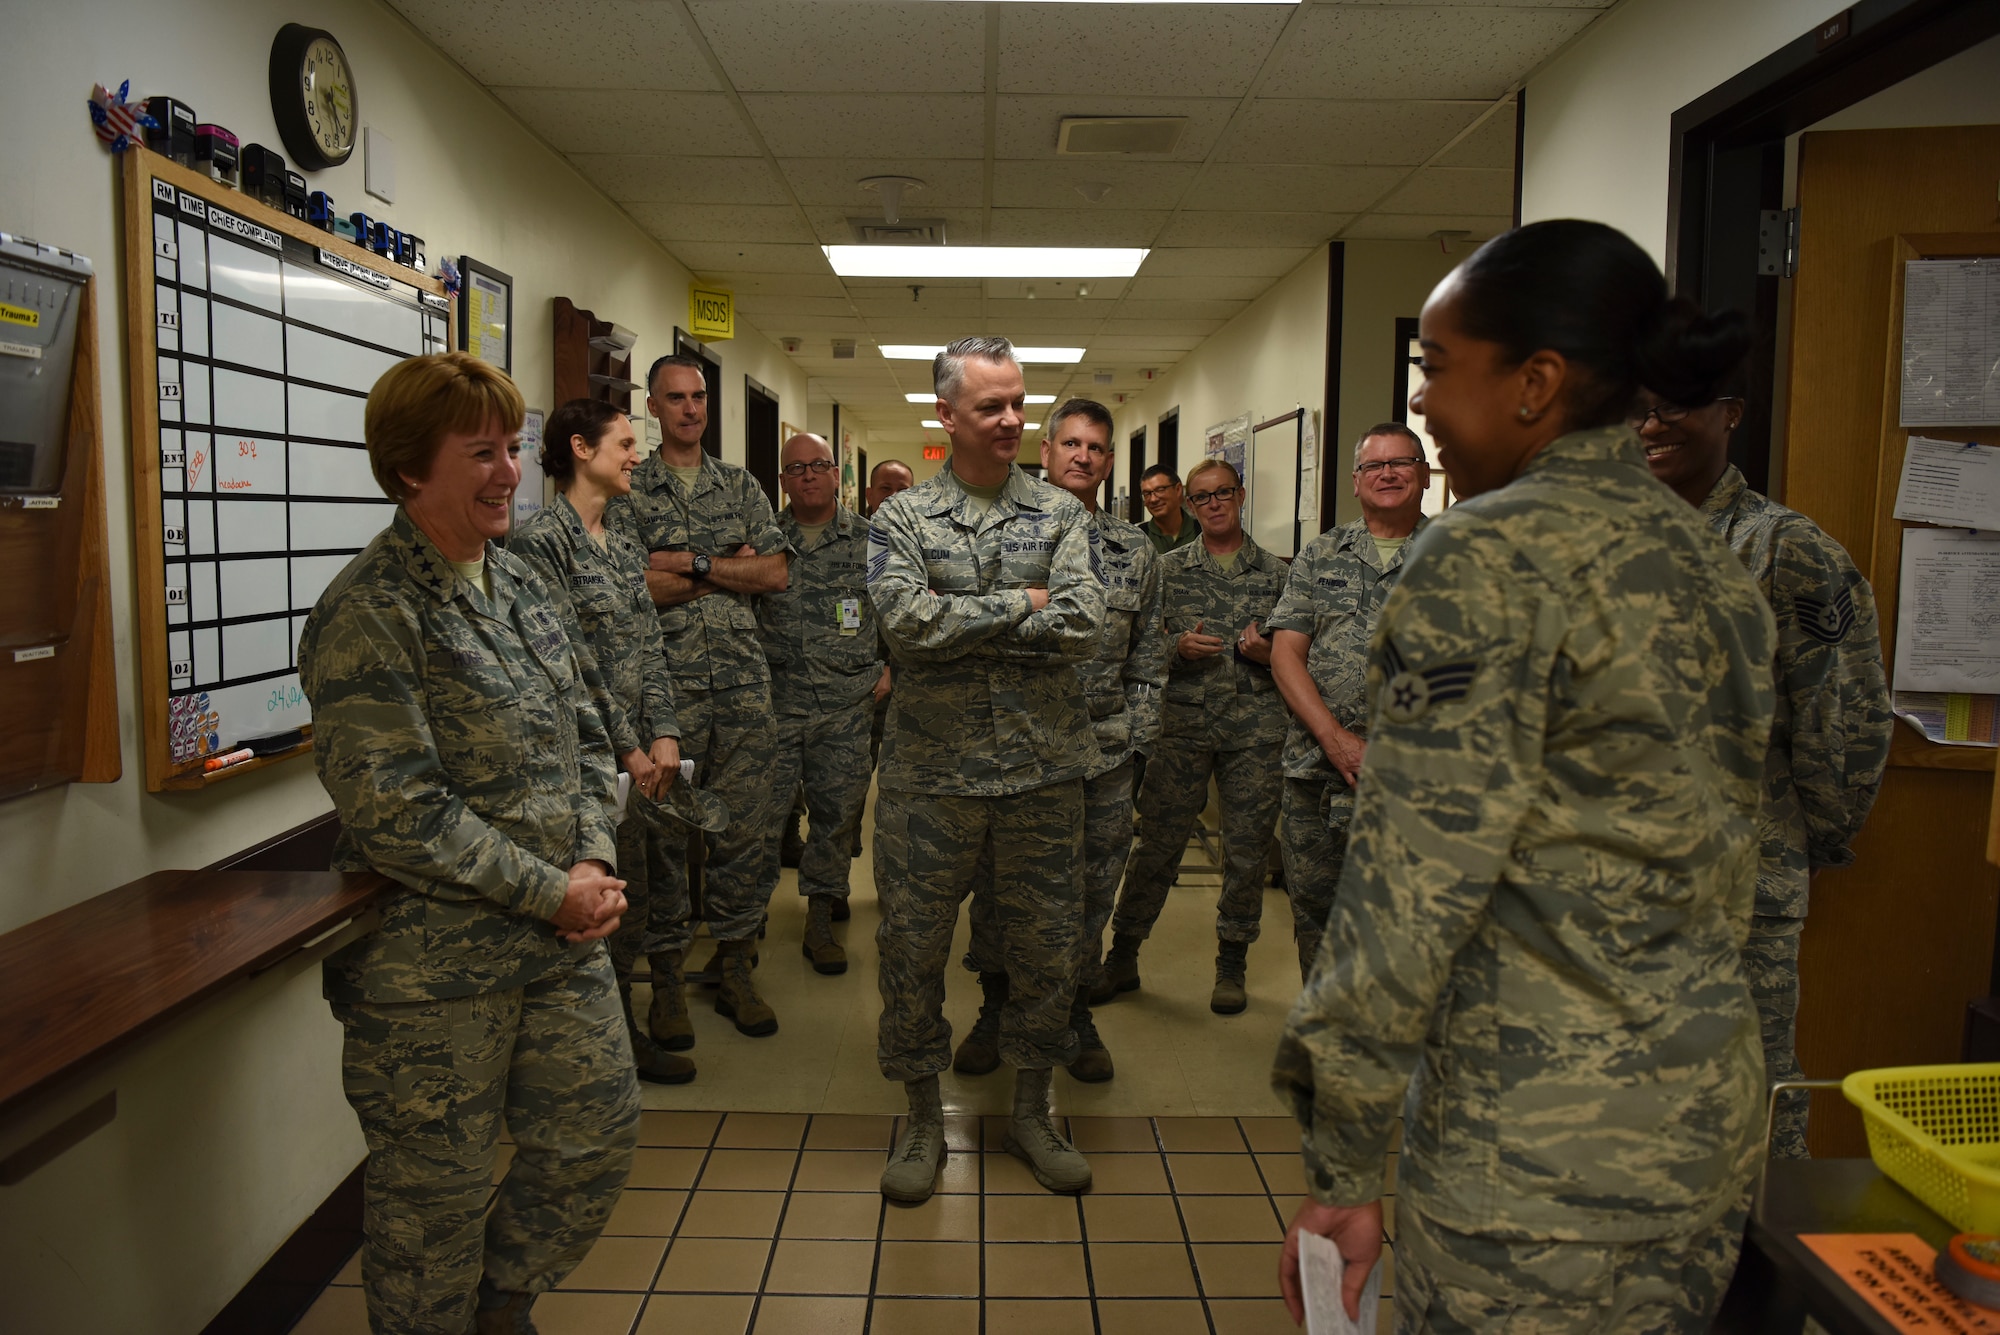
{"x": 231, "y": 1127}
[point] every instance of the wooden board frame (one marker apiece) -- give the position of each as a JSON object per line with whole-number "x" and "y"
{"x": 139, "y": 167}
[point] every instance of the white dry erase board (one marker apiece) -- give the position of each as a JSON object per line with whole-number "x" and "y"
{"x": 254, "y": 339}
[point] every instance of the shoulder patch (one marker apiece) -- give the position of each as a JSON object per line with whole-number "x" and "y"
{"x": 1826, "y": 619}
{"x": 1409, "y": 694}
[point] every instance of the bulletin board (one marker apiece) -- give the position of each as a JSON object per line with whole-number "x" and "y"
{"x": 253, "y": 340}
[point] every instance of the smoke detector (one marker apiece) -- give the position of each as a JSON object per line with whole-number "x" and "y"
{"x": 791, "y": 344}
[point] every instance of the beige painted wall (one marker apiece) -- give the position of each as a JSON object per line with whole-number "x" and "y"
{"x": 231, "y": 1127}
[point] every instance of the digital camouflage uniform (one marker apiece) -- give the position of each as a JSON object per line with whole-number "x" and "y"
{"x": 1222, "y": 716}
{"x": 1535, "y": 953}
{"x": 1829, "y": 744}
{"x": 1333, "y": 594}
{"x": 988, "y": 741}
{"x": 722, "y": 686}
{"x": 822, "y": 642}
{"x": 1122, "y": 686}
{"x": 606, "y": 586}
{"x": 458, "y": 741}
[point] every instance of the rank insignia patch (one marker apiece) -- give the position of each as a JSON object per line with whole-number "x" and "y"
{"x": 1826, "y": 619}
{"x": 1409, "y": 694}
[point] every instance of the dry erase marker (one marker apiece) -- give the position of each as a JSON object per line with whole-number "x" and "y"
{"x": 214, "y": 763}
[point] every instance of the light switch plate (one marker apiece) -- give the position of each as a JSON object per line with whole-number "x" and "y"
{"x": 379, "y": 159}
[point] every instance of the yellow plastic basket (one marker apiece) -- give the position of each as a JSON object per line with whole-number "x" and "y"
{"x": 1936, "y": 1130}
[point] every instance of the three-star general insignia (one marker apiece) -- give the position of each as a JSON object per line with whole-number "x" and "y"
{"x": 1409, "y": 694}
{"x": 1826, "y": 619}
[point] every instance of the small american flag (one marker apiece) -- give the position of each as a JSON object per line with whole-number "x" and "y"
{"x": 115, "y": 119}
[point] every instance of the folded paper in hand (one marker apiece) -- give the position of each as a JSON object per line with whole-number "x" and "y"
{"x": 1321, "y": 1270}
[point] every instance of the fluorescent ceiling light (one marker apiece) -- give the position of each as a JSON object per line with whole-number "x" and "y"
{"x": 933, "y": 424}
{"x": 932, "y": 398}
{"x": 923, "y": 352}
{"x": 984, "y": 261}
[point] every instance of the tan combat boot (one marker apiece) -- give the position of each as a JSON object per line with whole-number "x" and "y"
{"x": 652, "y": 1061}
{"x": 667, "y": 1020}
{"x": 1120, "y": 972}
{"x": 1231, "y": 964}
{"x": 911, "y": 1173}
{"x": 979, "y": 1053}
{"x": 1033, "y": 1139}
{"x": 1093, "y": 1060}
{"x": 500, "y": 1313}
{"x": 737, "y": 997}
{"x": 819, "y": 945}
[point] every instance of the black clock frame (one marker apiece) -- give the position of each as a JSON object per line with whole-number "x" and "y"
{"x": 288, "y": 51}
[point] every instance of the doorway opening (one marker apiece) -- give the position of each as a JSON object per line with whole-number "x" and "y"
{"x": 760, "y": 436}
{"x": 1135, "y": 465}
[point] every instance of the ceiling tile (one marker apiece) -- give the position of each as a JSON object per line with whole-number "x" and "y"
{"x": 723, "y": 222}
{"x": 1491, "y": 145}
{"x": 1075, "y": 227}
{"x": 833, "y": 46}
{"x": 1054, "y": 183}
{"x": 1195, "y": 288}
{"x": 1455, "y": 190}
{"x": 727, "y": 257}
{"x": 832, "y": 226}
{"x": 955, "y": 304}
{"x": 1361, "y": 133}
{"x": 636, "y": 178}
{"x": 1130, "y": 309}
{"x": 1026, "y": 127}
{"x": 1223, "y": 261}
{"x": 848, "y": 125}
{"x": 861, "y": 285}
{"x": 948, "y": 183}
{"x": 785, "y": 308}
{"x": 1252, "y": 229}
{"x": 1198, "y": 50}
{"x": 1444, "y": 51}
{"x": 1053, "y": 288}
{"x": 590, "y": 120}
{"x": 1161, "y": 328}
{"x": 780, "y": 284}
{"x": 564, "y": 43}
{"x": 1419, "y": 226}
{"x": 1238, "y": 187}
{"x": 1142, "y": 346}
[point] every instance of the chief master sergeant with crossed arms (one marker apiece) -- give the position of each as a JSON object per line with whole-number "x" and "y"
{"x": 983, "y": 578}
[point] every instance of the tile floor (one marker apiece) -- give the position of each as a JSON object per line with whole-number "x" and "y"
{"x": 771, "y": 1223}
{"x": 768, "y": 1218}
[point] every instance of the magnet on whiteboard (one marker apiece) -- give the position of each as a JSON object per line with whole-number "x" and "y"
{"x": 30, "y": 655}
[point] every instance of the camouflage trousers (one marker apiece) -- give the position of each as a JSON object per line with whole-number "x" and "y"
{"x": 732, "y": 738}
{"x": 434, "y": 1083}
{"x": 1170, "y": 801}
{"x": 1450, "y": 1283}
{"x": 1313, "y": 838}
{"x": 656, "y": 912}
{"x": 928, "y": 856}
{"x": 826, "y": 754}
{"x": 1771, "y": 965}
{"x": 1107, "y": 839}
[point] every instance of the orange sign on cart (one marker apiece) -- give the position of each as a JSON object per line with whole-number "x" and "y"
{"x": 1896, "y": 1273}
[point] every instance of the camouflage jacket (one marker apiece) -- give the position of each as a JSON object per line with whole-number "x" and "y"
{"x": 1334, "y": 593}
{"x": 1830, "y": 739}
{"x": 1224, "y": 703}
{"x": 1123, "y": 683}
{"x": 606, "y": 587}
{"x": 467, "y": 762}
{"x": 711, "y": 641}
{"x": 987, "y": 699}
{"x": 820, "y": 635}
{"x": 1539, "y": 932}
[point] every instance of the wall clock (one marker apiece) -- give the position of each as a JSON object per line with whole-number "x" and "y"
{"x": 312, "y": 97}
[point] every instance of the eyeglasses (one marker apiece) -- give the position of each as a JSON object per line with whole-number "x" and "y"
{"x": 1154, "y": 493}
{"x": 816, "y": 467}
{"x": 1219, "y": 494}
{"x": 1667, "y": 413}
{"x": 1402, "y": 465}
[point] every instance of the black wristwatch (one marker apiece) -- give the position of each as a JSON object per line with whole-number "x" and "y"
{"x": 702, "y": 565}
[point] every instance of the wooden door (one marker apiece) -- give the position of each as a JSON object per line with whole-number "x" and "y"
{"x": 1899, "y": 943}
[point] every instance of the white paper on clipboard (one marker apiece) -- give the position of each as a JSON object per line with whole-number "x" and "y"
{"x": 1948, "y": 612}
{"x": 1949, "y": 483}
{"x": 1321, "y": 1270}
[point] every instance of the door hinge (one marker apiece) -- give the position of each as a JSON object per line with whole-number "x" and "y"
{"x": 1778, "y": 243}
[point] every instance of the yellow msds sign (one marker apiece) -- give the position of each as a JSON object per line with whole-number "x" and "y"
{"x": 711, "y": 313}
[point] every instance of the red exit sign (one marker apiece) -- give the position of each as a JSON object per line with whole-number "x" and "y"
{"x": 934, "y": 452}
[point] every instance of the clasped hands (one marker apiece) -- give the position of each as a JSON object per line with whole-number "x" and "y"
{"x": 592, "y": 905}
{"x": 1195, "y": 645}
{"x": 654, "y": 772}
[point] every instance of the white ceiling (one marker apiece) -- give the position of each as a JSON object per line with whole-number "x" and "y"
{"x": 736, "y": 132}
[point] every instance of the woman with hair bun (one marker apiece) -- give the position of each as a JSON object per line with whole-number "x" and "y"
{"x": 1536, "y": 952}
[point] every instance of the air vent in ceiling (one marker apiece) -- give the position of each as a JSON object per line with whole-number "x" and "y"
{"x": 904, "y": 232}
{"x": 1118, "y": 136}
{"x": 843, "y": 349}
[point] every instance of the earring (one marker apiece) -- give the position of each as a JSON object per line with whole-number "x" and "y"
{"x": 1524, "y": 412}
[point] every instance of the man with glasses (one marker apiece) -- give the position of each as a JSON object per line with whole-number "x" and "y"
{"x": 1221, "y": 716}
{"x": 1172, "y": 524}
{"x": 714, "y": 546}
{"x": 1830, "y": 737}
{"x": 821, "y": 640}
{"x": 1319, "y": 659}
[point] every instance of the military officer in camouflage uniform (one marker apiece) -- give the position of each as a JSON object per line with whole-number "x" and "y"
{"x": 1222, "y": 716}
{"x": 1160, "y": 491}
{"x": 822, "y": 642}
{"x": 985, "y": 582}
{"x": 1538, "y": 934}
{"x": 1122, "y": 685}
{"x": 714, "y": 546}
{"x": 588, "y": 451}
{"x": 1830, "y": 741}
{"x": 1319, "y": 655}
{"x": 454, "y": 731}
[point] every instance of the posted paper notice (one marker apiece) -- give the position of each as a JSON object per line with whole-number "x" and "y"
{"x": 1949, "y": 483}
{"x": 1948, "y": 612}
